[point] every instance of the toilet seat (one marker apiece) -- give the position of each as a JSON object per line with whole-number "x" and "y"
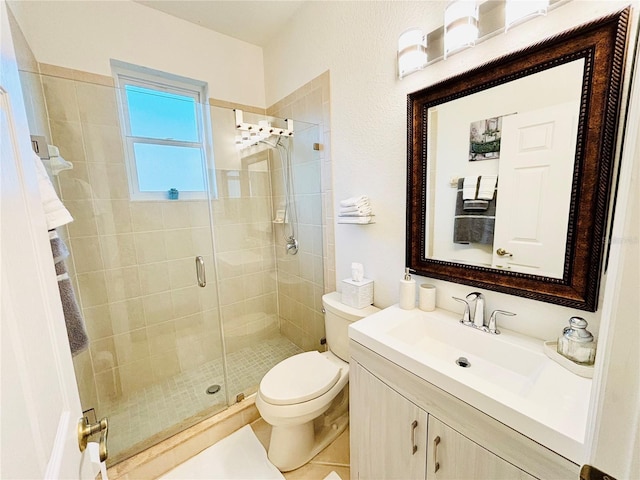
{"x": 299, "y": 378}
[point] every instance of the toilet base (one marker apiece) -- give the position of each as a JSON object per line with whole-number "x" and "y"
{"x": 295, "y": 446}
{"x": 291, "y": 447}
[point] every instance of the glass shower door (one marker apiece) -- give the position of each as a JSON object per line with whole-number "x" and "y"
{"x": 155, "y": 343}
{"x": 252, "y": 222}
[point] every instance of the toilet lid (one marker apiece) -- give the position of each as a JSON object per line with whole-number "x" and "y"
{"x": 298, "y": 379}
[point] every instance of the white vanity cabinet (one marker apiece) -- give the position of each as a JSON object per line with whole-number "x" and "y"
{"x": 403, "y": 427}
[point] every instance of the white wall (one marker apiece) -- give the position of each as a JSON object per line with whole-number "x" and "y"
{"x": 357, "y": 42}
{"x": 84, "y": 35}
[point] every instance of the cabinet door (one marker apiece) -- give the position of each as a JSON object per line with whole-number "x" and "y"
{"x": 388, "y": 432}
{"x": 454, "y": 456}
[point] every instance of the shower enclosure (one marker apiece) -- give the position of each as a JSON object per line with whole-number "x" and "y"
{"x": 169, "y": 346}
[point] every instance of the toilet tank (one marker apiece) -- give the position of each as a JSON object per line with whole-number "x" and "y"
{"x": 337, "y": 317}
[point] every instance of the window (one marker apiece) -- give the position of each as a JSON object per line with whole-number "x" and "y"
{"x": 164, "y": 125}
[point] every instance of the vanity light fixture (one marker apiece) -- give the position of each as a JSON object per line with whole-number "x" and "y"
{"x": 460, "y": 25}
{"x": 466, "y": 23}
{"x": 516, "y": 11}
{"x": 412, "y": 52}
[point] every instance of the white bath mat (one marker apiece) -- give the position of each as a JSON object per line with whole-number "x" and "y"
{"x": 240, "y": 456}
{"x": 333, "y": 476}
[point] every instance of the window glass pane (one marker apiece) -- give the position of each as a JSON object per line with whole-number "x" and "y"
{"x": 156, "y": 114}
{"x": 162, "y": 167}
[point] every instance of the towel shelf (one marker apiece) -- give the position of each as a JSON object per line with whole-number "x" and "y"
{"x": 368, "y": 220}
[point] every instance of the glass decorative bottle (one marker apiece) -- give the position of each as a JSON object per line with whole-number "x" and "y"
{"x": 577, "y": 343}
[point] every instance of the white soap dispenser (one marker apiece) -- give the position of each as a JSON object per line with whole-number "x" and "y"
{"x": 407, "y": 291}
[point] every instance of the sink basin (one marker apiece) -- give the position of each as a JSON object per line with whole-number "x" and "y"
{"x": 508, "y": 376}
{"x": 504, "y": 363}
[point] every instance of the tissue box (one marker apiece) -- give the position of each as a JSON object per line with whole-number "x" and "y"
{"x": 357, "y": 294}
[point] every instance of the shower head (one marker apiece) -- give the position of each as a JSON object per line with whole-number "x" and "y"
{"x": 267, "y": 142}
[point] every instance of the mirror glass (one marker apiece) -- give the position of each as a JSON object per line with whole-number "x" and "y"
{"x": 516, "y": 141}
{"x": 510, "y": 167}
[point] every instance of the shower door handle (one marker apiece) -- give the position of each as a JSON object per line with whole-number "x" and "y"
{"x": 200, "y": 273}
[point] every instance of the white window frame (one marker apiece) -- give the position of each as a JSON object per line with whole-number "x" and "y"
{"x": 129, "y": 74}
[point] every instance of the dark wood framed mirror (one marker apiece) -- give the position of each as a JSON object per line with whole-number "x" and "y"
{"x": 510, "y": 168}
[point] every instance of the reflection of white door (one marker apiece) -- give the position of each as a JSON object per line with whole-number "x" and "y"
{"x": 535, "y": 172}
{"x": 40, "y": 403}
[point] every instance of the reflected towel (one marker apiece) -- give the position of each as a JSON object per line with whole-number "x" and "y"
{"x": 473, "y": 229}
{"x": 469, "y": 188}
{"x": 76, "y": 331}
{"x": 475, "y": 205}
{"x": 487, "y": 187}
{"x": 57, "y": 164}
{"x": 473, "y": 223}
{"x": 55, "y": 212}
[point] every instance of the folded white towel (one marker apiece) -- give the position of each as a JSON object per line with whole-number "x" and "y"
{"x": 487, "y": 187}
{"x": 469, "y": 188}
{"x": 355, "y": 214}
{"x": 355, "y": 201}
{"x": 333, "y": 476}
{"x": 55, "y": 212}
{"x": 354, "y": 211}
{"x": 348, "y": 209}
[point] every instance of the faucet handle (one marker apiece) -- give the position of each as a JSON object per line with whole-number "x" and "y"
{"x": 493, "y": 327}
{"x": 466, "y": 316}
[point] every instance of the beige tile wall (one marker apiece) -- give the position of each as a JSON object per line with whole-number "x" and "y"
{"x": 304, "y": 278}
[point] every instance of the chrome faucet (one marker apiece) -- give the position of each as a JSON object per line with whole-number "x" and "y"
{"x": 478, "y": 311}
{"x": 477, "y": 320}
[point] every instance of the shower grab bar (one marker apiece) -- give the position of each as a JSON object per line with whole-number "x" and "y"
{"x": 200, "y": 273}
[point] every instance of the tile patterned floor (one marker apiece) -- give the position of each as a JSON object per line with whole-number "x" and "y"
{"x": 161, "y": 410}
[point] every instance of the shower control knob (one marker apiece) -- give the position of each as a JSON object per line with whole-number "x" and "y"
{"x": 292, "y": 246}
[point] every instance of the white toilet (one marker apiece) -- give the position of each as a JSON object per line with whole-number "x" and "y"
{"x": 305, "y": 397}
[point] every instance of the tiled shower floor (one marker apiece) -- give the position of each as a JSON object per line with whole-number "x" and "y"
{"x": 156, "y": 412}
